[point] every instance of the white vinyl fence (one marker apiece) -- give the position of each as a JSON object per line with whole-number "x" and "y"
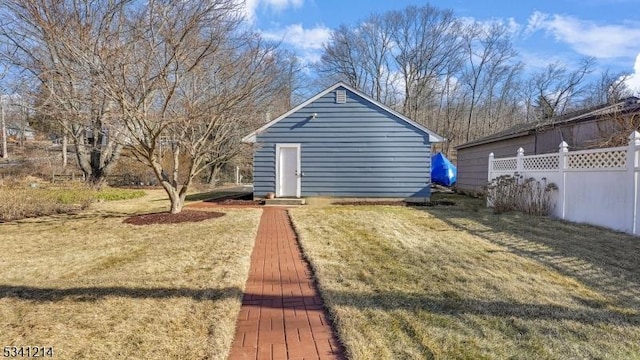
{"x": 599, "y": 187}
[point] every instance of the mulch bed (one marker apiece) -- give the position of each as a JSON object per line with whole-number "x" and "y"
{"x": 395, "y": 203}
{"x": 168, "y": 218}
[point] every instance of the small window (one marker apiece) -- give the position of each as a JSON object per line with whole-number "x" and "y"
{"x": 341, "y": 96}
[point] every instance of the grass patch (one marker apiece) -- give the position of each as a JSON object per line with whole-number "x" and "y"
{"x": 20, "y": 200}
{"x": 113, "y": 194}
{"x": 94, "y": 287}
{"x": 459, "y": 282}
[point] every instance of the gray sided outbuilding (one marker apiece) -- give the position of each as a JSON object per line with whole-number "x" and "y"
{"x": 582, "y": 129}
{"x": 342, "y": 143}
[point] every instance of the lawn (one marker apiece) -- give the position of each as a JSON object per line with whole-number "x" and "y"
{"x": 94, "y": 287}
{"x": 458, "y": 282}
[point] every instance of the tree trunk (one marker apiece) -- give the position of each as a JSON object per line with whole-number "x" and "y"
{"x": 96, "y": 162}
{"x": 213, "y": 174}
{"x": 176, "y": 196}
{"x": 65, "y": 145}
{"x": 5, "y": 154}
{"x": 23, "y": 120}
{"x": 176, "y": 201}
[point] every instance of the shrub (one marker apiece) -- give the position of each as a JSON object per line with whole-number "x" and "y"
{"x": 508, "y": 193}
{"x": 23, "y": 198}
{"x": 22, "y": 203}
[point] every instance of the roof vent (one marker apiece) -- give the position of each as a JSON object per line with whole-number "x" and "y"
{"x": 341, "y": 96}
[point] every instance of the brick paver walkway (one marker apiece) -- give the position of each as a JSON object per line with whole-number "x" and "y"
{"x": 282, "y": 314}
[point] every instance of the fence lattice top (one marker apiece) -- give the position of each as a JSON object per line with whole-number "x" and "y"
{"x": 616, "y": 159}
{"x": 544, "y": 162}
{"x": 505, "y": 164}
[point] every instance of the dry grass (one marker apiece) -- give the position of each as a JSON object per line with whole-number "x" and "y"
{"x": 93, "y": 287}
{"x": 31, "y": 197}
{"x": 459, "y": 282}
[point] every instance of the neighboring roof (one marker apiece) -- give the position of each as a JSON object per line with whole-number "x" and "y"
{"x": 627, "y": 105}
{"x": 433, "y": 137}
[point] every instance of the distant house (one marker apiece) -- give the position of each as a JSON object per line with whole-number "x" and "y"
{"x": 581, "y": 129}
{"x": 17, "y": 131}
{"x": 342, "y": 143}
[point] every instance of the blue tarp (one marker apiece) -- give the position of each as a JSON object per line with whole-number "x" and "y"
{"x": 443, "y": 172}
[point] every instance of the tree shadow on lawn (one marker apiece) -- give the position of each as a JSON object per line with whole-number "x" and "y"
{"x": 395, "y": 300}
{"x": 602, "y": 259}
{"x": 83, "y": 294}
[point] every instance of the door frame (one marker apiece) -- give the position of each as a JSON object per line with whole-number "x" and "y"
{"x": 298, "y": 177}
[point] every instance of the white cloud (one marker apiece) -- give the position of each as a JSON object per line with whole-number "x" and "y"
{"x": 586, "y": 37}
{"x": 536, "y": 22}
{"x": 299, "y": 37}
{"x": 510, "y": 24}
{"x": 251, "y": 6}
{"x": 307, "y": 42}
{"x": 513, "y": 26}
{"x": 633, "y": 82}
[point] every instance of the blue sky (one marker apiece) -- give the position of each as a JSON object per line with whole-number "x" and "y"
{"x": 544, "y": 31}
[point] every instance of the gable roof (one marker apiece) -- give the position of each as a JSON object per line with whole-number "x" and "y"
{"x": 433, "y": 137}
{"x": 627, "y": 105}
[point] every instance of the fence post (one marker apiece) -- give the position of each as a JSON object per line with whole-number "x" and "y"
{"x": 562, "y": 166}
{"x": 519, "y": 162}
{"x": 490, "y": 175}
{"x": 632, "y": 176}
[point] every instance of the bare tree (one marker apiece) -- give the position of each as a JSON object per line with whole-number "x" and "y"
{"x": 619, "y": 119}
{"x": 489, "y": 70}
{"x": 184, "y": 79}
{"x": 400, "y": 56}
{"x": 428, "y": 48}
{"x": 609, "y": 87}
{"x": 342, "y": 58}
{"x": 451, "y": 107}
{"x": 557, "y": 87}
{"x": 285, "y": 81}
{"x": 462, "y": 80}
{"x": 60, "y": 43}
{"x": 375, "y": 46}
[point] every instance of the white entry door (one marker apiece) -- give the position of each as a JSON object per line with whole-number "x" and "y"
{"x": 288, "y": 170}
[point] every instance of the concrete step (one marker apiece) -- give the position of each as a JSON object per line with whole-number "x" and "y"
{"x": 284, "y": 201}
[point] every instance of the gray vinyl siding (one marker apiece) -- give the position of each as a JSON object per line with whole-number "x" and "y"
{"x": 351, "y": 149}
{"x": 264, "y": 170}
{"x": 578, "y": 136}
{"x": 473, "y": 162}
